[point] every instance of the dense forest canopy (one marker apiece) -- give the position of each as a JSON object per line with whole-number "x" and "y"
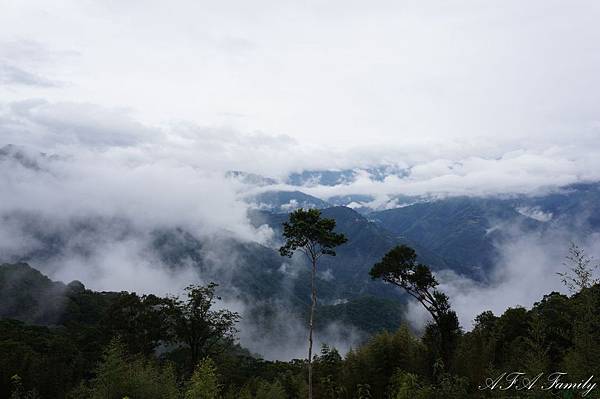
{"x": 65, "y": 341}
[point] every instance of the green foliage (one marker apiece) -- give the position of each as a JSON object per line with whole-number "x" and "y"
{"x": 363, "y": 391}
{"x": 139, "y": 322}
{"x": 204, "y": 383}
{"x": 118, "y": 376}
{"x": 400, "y": 268}
{"x": 582, "y": 357}
{"x": 272, "y": 390}
{"x": 369, "y": 314}
{"x": 18, "y": 392}
{"x": 28, "y": 295}
{"x": 40, "y": 356}
{"x": 328, "y": 370}
{"x": 245, "y": 393}
{"x": 536, "y": 358}
{"x": 581, "y": 270}
{"x": 558, "y": 333}
{"x": 404, "y": 385}
{"x": 375, "y": 362}
{"x": 307, "y": 231}
{"x": 194, "y": 322}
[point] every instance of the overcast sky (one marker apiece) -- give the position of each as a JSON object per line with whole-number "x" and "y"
{"x": 340, "y": 72}
{"x": 277, "y": 85}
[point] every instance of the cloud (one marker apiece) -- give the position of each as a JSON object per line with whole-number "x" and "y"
{"x": 523, "y": 274}
{"x": 341, "y": 74}
{"x": 42, "y": 123}
{"x": 111, "y": 264}
{"x": 523, "y": 171}
{"x": 10, "y": 74}
{"x": 535, "y": 213}
{"x": 25, "y": 63}
{"x": 151, "y": 193}
{"x": 423, "y": 169}
{"x": 284, "y": 336}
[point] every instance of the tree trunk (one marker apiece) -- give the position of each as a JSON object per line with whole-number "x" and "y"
{"x": 310, "y": 326}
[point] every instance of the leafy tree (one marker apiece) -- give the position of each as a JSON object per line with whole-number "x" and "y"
{"x": 476, "y": 351}
{"x": 272, "y": 390}
{"x": 363, "y": 391}
{"x": 556, "y": 315}
{"x": 194, "y": 322}
{"x": 406, "y": 385}
{"x": 328, "y": 367}
{"x": 580, "y": 270}
{"x": 45, "y": 359}
{"x": 140, "y": 322}
{"x": 582, "y": 357}
{"x": 536, "y": 358}
{"x": 119, "y": 375}
{"x": 245, "y": 393}
{"x": 309, "y": 233}
{"x": 204, "y": 383}
{"x": 512, "y": 329}
{"x": 375, "y": 362}
{"x": 399, "y": 267}
{"x": 19, "y": 392}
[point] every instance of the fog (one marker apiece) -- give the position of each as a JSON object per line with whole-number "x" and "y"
{"x": 92, "y": 215}
{"x": 525, "y": 271}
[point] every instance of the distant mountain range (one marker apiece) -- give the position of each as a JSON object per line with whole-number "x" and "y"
{"x": 462, "y": 234}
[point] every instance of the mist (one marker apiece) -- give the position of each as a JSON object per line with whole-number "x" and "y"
{"x": 93, "y": 216}
{"x": 524, "y": 272}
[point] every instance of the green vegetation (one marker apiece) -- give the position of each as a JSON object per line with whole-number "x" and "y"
{"x": 122, "y": 345}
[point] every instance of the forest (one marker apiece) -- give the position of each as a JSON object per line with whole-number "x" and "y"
{"x": 66, "y": 341}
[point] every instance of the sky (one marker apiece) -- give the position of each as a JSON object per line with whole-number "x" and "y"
{"x": 482, "y": 76}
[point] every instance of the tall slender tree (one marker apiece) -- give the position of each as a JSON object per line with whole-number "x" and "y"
{"x": 309, "y": 233}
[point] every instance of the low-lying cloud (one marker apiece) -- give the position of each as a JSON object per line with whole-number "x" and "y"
{"x": 80, "y": 162}
{"x": 525, "y": 271}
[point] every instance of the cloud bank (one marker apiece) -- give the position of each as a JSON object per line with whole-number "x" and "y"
{"x": 525, "y": 272}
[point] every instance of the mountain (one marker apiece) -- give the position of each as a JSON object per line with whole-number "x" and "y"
{"x": 18, "y": 154}
{"x": 458, "y": 233}
{"x": 249, "y": 272}
{"x": 466, "y": 231}
{"x": 459, "y": 230}
{"x": 348, "y": 271}
{"x": 321, "y": 177}
{"x": 30, "y": 296}
{"x": 285, "y": 201}
{"x": 343, "y": 176}
{"x": 250, "y": 178}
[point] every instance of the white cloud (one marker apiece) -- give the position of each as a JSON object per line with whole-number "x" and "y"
{"x": 342, "y": 73}
{"x": 524, "y": 273}
{"x": 535, "y": 213}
